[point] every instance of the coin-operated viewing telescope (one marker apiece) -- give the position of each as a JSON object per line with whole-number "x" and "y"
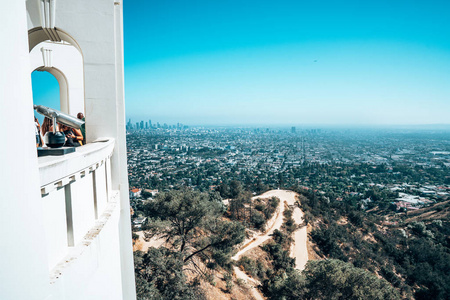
{"x": 56, "y": 139}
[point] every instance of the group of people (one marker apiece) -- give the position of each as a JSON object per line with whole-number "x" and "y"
{"x": 74, "y": 137}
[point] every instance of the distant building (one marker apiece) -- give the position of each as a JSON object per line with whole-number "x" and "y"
{"x": 135, "y": 193}
{"x": 293, "y": 129}
{"x": 139, "y": 222}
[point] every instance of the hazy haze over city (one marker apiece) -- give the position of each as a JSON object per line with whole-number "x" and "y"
{"x": 288, "y": 62}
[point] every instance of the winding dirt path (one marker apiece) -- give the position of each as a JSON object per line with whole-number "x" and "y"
{"x": 274, "y": 223}
{"x": 252, "y": 283}
{"x": 298, "y": 249}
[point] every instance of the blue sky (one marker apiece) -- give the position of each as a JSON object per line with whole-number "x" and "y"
{"x": 45, "y": 91}
{"x": 287, "y": 62}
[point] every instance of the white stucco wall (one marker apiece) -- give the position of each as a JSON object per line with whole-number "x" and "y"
{"x": 96, "y": 28}
{"x": 100, "y": 264}
{"x": 100, "y": 179}
{"x": 55, "y": 228}
{"x": 23, "y": 254}
{"x": 92, "y": 268}
{"x": 84, "y": 262}
{"x": 82, "y": 206}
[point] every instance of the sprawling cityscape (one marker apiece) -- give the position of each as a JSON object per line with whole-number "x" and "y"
{"x": 408, "y": 167}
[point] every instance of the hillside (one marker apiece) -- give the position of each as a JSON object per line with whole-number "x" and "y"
{"x": 439, "y": 211}
{"x": 257, "y": 248}
{"x": 410, "y": 251}
{"x": 280, "y": 216}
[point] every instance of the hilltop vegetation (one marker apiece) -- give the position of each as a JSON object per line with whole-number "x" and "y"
{"x": 198, "y": 241}
{"x": 272, "y": 265}
{"x": 365, "y": 255}
{"x": 413, "y": 256}
{"x": 400, "y": 254}
{"x": 328, "y": 280}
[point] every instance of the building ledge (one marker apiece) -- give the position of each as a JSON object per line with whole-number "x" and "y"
{"x": 56, "y": 171}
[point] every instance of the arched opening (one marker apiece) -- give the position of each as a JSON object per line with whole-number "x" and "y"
{"x": 65, "y": 63}
{"x": 61, "y": 61}
{"x": 38, "y": 35}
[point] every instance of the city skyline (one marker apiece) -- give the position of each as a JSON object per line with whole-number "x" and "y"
{"x": 143, "y": 124}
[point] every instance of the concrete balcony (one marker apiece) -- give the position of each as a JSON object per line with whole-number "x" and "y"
{"x": 77, "y": 204}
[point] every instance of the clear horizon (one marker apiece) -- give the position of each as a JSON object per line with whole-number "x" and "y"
{"x": 419, "y": 127}
{"x": 259, "y": 62}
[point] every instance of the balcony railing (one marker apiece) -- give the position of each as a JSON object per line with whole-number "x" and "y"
{"x": 76, "y": 198}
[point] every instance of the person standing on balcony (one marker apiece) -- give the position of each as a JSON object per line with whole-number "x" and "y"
{"x": 79, "y": 136}
{"x": 83, "y": 129}
{"x": 37, "y": 131}
{"x": 47, "y": 125}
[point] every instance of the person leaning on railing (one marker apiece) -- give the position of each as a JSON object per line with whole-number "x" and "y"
{"x": 73, "y": 136}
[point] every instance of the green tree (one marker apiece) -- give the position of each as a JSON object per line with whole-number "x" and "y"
{"x": 235, "y": 189}
{"x": 330, "y": 279}
{"x": 192, "y": 224}
{"x": 237, "y": 205}
{"x": 146, "y": 194}
{"x": 159, "y": 275}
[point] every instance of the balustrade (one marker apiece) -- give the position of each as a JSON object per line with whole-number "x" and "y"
{"x": 76, "y": 191}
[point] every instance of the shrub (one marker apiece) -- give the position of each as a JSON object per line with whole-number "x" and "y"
{"x": 258, "y": 221}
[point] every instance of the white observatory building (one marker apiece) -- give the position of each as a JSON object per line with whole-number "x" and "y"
{"x": 64, "y": 220}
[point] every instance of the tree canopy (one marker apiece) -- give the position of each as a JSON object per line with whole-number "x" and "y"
{"x": 331, "y": 279}
{"x": 159, "y": 275}
{"x": 191, "y": 222}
